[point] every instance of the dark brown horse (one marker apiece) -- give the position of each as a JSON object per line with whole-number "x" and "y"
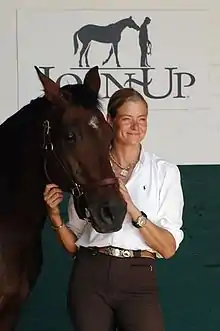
{"x": 61, "y": 137}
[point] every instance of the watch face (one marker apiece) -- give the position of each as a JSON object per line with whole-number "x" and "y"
{"x": 142, "y": 221}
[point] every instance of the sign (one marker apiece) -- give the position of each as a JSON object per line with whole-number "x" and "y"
{"x": 162, "y": 54}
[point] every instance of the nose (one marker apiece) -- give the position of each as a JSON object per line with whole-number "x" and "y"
{"x": 111, "y": 217}
{"x": 134, "y": 125}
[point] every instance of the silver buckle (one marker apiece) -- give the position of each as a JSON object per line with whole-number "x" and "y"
{"x": 119, "y": 252}
{"x": 127, "y": 253}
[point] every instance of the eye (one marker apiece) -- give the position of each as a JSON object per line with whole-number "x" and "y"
{"x": 71, "y": 136}
{"x": 126, "y": 119}
{"x": 143, "y": 119}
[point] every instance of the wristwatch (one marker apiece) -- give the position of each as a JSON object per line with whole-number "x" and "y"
{"x": 140, "y": 221}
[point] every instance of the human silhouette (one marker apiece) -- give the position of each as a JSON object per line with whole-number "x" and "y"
{"x": 144, "y": 42}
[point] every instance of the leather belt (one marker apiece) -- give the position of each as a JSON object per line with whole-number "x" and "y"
{"x": 121, "y": 252}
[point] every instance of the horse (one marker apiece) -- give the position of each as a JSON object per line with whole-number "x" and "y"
{"x": 60, "y": 137}
{"x": 109, "y": 34}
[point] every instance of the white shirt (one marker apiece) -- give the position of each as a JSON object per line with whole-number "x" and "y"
{"x": 155, "y": 188}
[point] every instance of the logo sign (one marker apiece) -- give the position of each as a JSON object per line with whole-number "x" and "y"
{"x": 162, "y": 54}
{"x": 152, "y": 52}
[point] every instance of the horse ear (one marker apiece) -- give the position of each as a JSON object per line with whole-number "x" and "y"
{"x": 51, "y": 89}
{"x": 92, "y": 79}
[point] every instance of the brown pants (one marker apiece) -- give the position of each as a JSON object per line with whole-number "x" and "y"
{"x": 106, "y": 293}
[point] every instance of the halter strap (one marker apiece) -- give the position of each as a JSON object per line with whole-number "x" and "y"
{"x": 76, "y": 188}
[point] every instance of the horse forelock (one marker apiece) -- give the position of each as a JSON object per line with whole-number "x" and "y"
{"x": 80, "y": 96}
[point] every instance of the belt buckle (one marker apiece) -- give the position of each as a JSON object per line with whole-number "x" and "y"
{"x": 117, "y": 252}
{"x": 126, "y": 253}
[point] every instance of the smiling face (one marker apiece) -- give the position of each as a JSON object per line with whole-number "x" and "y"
{"x": 128, "y": 117}
{"x": 130, "y": 123}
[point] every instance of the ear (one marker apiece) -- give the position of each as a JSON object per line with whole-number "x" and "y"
{"x": 92, "y": 79}
{"x": 51, "y": 89}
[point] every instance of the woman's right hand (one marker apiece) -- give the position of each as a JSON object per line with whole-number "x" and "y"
{"x": 53, "y": 196}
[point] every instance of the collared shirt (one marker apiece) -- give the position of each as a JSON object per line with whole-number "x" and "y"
{"x": 155, "y": 188}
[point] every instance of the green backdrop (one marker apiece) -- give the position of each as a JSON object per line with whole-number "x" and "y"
{"x": 189, "y": 282}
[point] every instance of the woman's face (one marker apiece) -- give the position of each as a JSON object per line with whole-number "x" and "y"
{"x": 130, "y": 123}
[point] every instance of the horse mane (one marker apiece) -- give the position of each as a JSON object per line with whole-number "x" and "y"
{"x": 22, "y": 121}
{"x": 25, "y": 119}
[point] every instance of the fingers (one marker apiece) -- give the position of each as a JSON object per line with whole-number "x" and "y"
{"x": 52, "y": 192}
{"x": 53, "y": 195}
{"x": 122, "y": 186}
{"x": 49, "y": 187}
{"x": 53, "y": 204}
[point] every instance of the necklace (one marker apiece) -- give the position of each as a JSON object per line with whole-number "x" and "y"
{"x": 124, "y": 170}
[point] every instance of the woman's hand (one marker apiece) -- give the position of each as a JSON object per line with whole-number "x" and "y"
{"x": 53, "y": 196}
{"x": 131, "y": 208}
{"x": 125, "y": 194}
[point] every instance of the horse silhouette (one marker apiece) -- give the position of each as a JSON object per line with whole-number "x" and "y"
{"x": 109, "y": 34}
{"x": 144, "y": 42}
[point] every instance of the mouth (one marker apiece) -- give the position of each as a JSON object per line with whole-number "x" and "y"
{"x": 134, "y": 134}
{"x": 106, "y": 229}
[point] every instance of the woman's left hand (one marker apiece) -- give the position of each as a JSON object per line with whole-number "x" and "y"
{"x": 126, "y": 196}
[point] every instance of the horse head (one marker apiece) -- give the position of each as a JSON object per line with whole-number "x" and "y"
{"x": 76, "y": 142}
{"x": 131, "y": 23}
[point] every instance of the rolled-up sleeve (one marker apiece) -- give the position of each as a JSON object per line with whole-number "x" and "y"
{"x": 75, "y": 224}
{"x": 171, "y": 203}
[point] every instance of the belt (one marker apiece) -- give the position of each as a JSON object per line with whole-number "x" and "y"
{"x": 121, "y": 252}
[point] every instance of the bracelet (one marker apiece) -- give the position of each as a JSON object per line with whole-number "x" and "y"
{"x": 57, "y": 227}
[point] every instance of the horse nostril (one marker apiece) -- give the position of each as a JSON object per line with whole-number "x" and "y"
{"x": 106, "y": 213}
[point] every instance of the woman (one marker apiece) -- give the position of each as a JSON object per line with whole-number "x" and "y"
{"x": 113, "y": 282}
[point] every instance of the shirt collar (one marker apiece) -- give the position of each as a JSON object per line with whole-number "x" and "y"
{"x": 142, "y": 155}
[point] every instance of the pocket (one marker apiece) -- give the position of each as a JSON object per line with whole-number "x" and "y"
{"x": 142, "y": 278}
{"x": 143, "y": 262}
{"x": 149, "y": 266}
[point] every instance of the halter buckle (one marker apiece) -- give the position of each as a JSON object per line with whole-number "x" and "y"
{"x": 47, "y": 143}
{"x": 47, "y": 127}
{"x": 76, "y": 191}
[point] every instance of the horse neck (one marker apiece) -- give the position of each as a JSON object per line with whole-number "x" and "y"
{"x": 121, "y": 25}
{"x": 21, "y": 167}
{"x": 29, "y": 181}
{"x": 23, "y": 194}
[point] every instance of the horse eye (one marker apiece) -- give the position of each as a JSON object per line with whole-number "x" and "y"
{"x": 71, "y": 136}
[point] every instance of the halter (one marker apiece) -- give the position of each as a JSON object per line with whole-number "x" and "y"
{"x": 48, "y": 146}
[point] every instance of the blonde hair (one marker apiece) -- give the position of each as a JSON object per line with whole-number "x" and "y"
{"x": 120, "y": 97}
